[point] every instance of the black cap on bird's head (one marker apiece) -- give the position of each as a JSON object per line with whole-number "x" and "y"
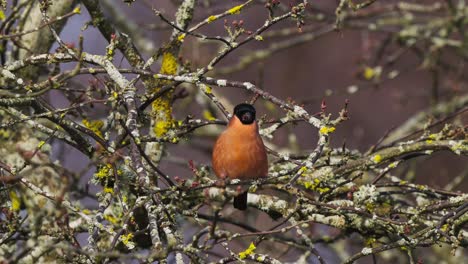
{"x": 245, "y": 113}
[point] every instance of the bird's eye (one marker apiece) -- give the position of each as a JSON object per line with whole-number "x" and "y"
{"x": 246, "y": 118}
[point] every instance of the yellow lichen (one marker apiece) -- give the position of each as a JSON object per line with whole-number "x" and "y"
{"x": 104, "y": 171}
{"x": 211, "y": 19}
{"x": 302, "y": 170}
{"x": 112, "y": 219}
{"x": 270, "y": 106}
{"x": 314, "y": 185}
{"x": 161, "y": 128}
{"x": 444, "y": 228}
{"x": 249, "y": 251}
{"x": 110, "y": 51}
{"x": 161, "y": 112}
{"x": 94, "y": 125}
{"x": 108, "y": 190}
{"x": 377, "y": 158}
{"x": 308, "y": 184}
{"x": 370, "y": 241}
{"x": 208, "y": 115}
{"x": 459, "y": 147}
{"x": 77, "y": 10}
{"x": 207, "y": 89}
{"x": 421, "y": 187}
{"x": 41, "y": 143}
{"x": 4, "y": 133}
{"x": 235, "y": 10}
{"x": 161, "y": 107}
{"x": 168, "y": 64}
{"x": 323, "y": 190}
{"x": 181, "y": 37}
{"x": 126, "y": 238}
{"x": 86, "y": 211}
{"x": 430, "y": 139}
{"x": 15, "y": 201}
{"x": 325, "y": 130}
{"x": 370, "y": 206}
{"x": 369, "y": 73}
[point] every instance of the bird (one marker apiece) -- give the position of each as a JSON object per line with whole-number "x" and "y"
{"x": 239, "y": 152}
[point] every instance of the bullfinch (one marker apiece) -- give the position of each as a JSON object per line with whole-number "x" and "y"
{"x": 239, "y": 152}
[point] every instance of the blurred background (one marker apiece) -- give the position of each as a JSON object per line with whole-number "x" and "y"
{"x": 401, "y": 80}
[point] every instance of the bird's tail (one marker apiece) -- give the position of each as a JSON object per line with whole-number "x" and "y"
{"x": 240, "y": 201}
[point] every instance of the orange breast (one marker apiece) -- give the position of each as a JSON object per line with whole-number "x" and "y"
{"x": 239, "y": 153}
